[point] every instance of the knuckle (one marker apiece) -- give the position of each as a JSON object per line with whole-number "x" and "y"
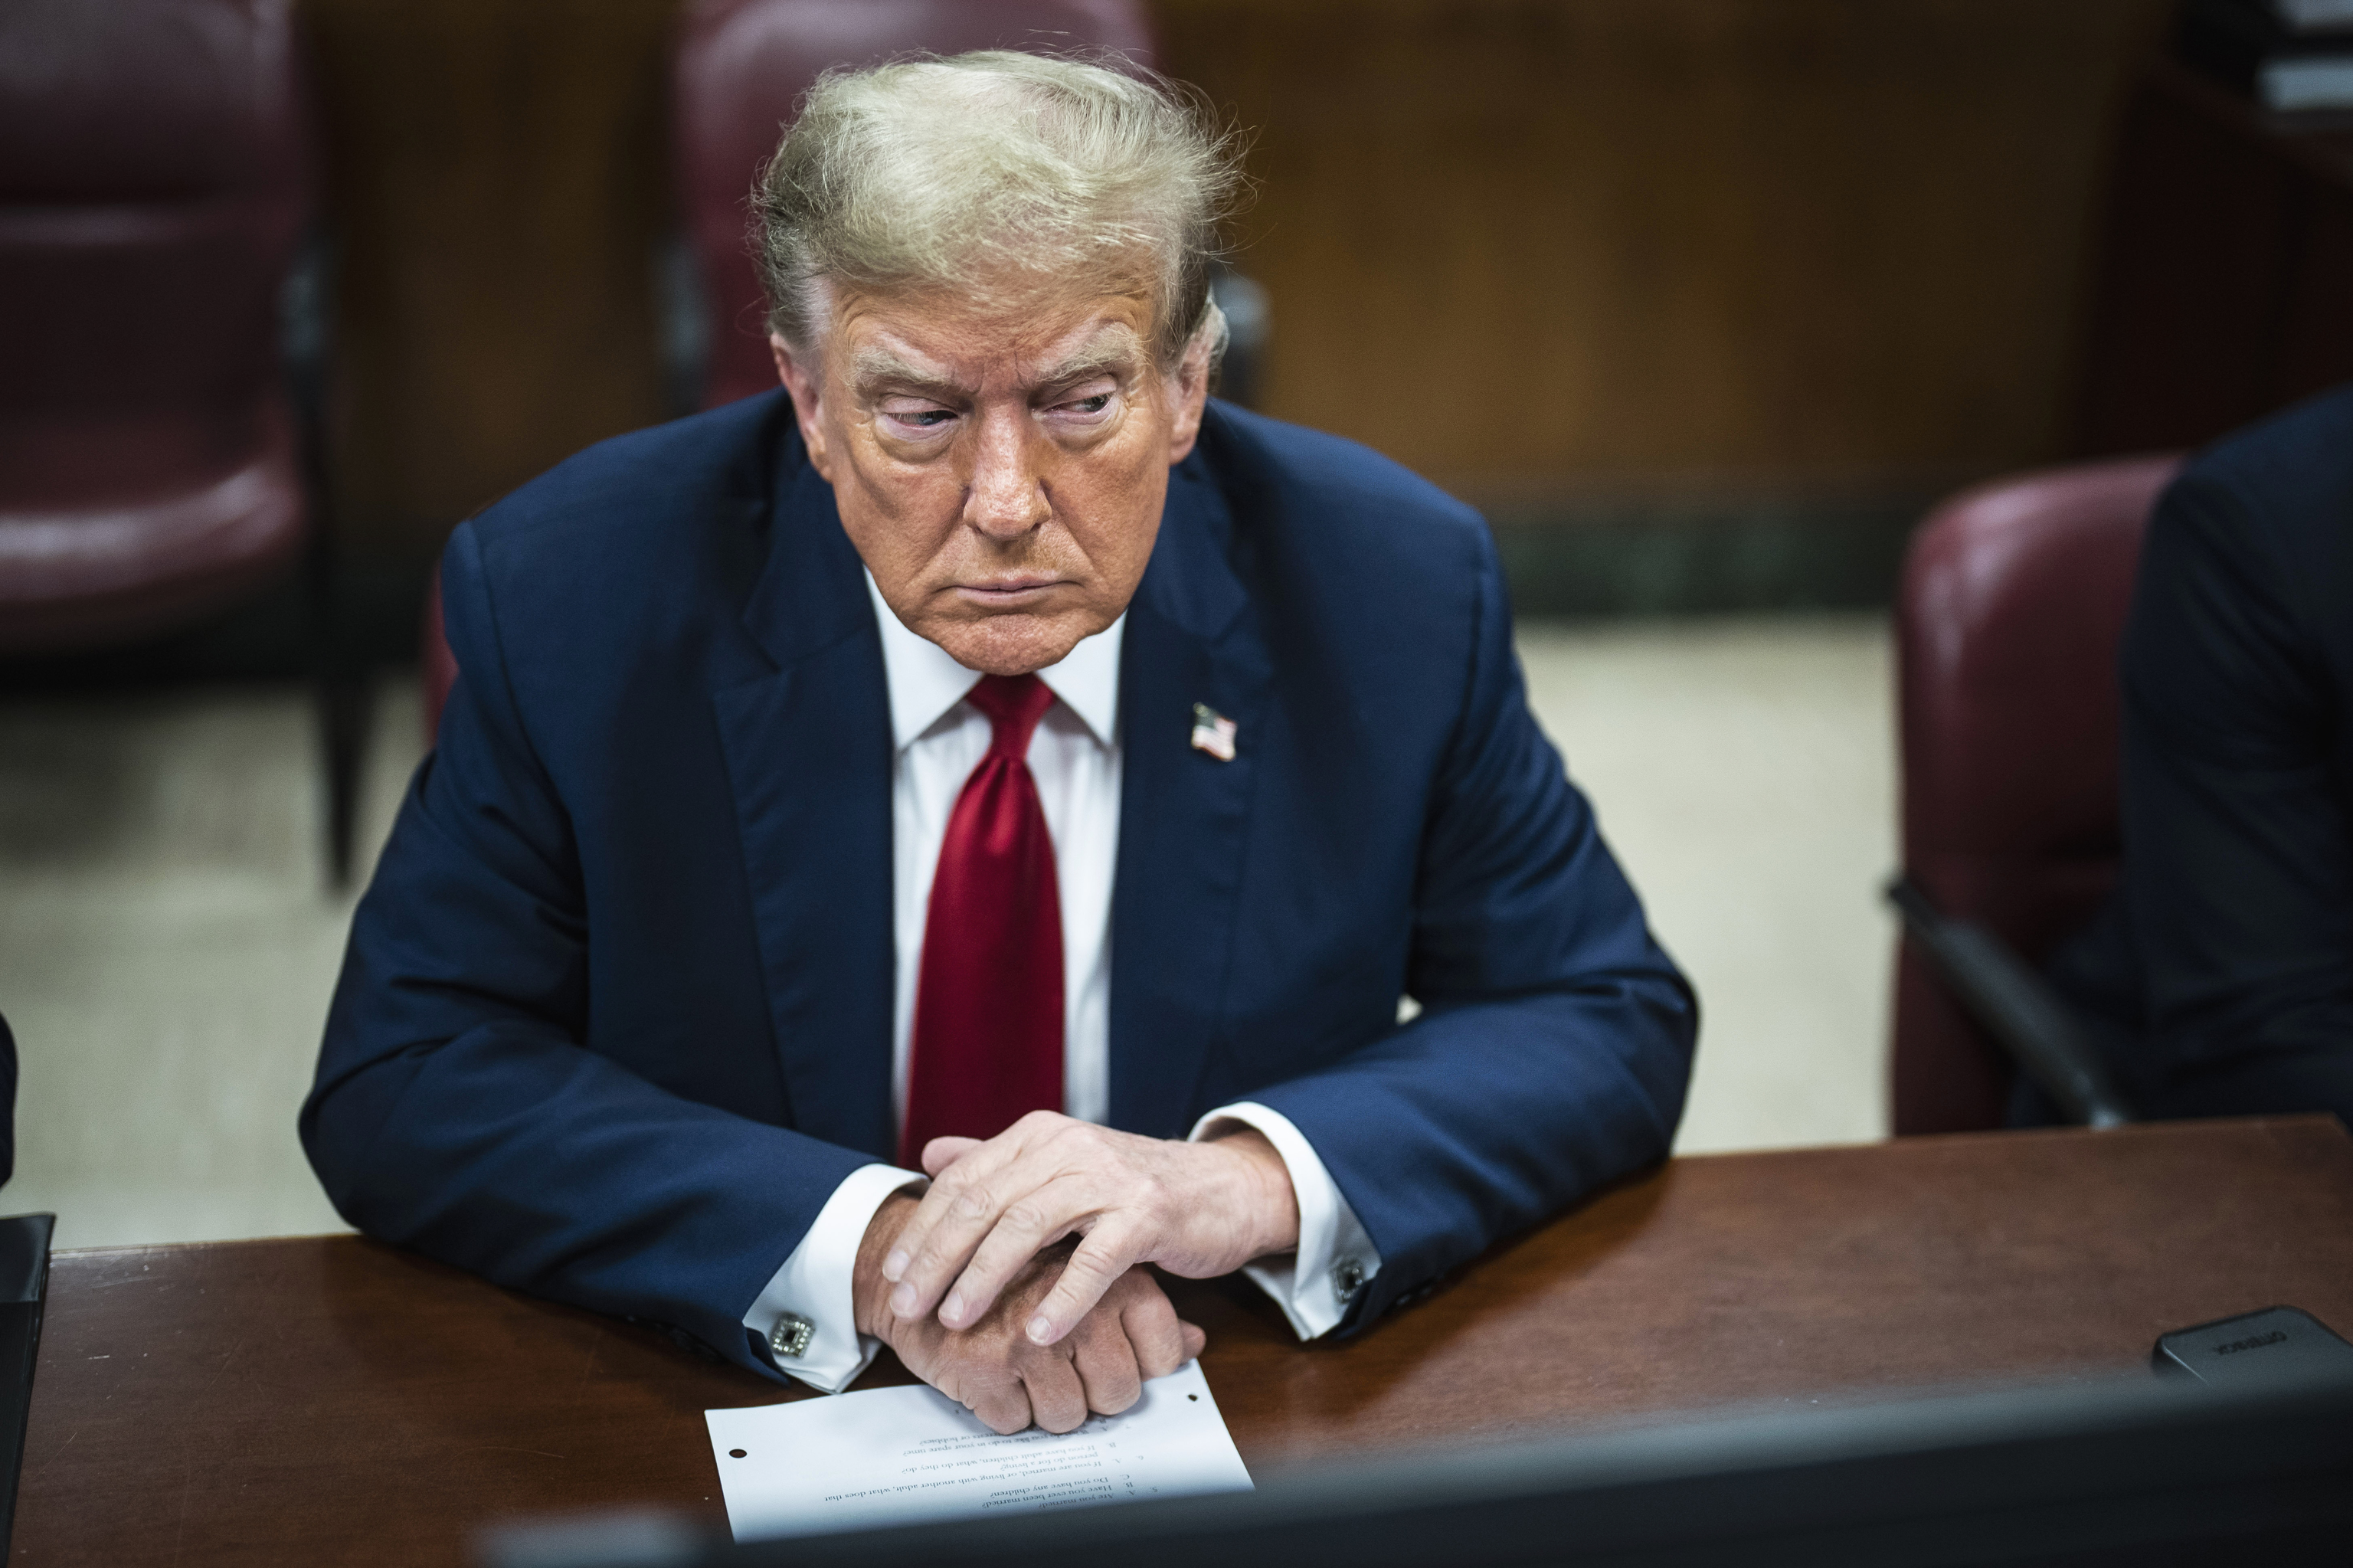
{"x": 1027, "y": 1214}
{"x": 1084, "y": 1268}
{"x": 971, "y": 1201}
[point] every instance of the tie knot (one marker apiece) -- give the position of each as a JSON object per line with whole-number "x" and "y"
{"x": 1014, "y": 704}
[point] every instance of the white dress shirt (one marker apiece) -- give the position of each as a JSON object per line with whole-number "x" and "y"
{"x": 805, "y": 1315}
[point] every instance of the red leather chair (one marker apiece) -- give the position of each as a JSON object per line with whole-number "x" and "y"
{"x": 153, "y": 191}
{"x": 739, "y": 69}
{"x": 155, "y": 195}
{"x": 2012, "y": 602}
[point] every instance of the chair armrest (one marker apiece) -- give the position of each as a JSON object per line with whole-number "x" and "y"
{"x": 2016, "y": 1007}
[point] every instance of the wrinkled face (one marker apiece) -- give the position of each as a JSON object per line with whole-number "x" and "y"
{"x": 1001, "y": 471}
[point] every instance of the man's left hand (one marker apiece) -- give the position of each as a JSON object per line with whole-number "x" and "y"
{"x": 1194, "y": 1209}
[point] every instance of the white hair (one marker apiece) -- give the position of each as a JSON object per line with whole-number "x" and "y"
{"x": 995, "y": 170}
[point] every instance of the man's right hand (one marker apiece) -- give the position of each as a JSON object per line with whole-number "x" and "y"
{"x": 993, "y": 1369}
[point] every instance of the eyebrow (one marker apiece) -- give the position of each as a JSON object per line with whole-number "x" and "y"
{"x": 1109, "y": 349}
{"x": 876, "y": 367}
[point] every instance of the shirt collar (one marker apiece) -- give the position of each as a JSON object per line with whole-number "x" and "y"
{"x": 925, "y": 681}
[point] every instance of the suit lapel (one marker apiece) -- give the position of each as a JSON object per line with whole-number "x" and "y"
{"x": 1184, "y": 815}
{"x": 808, "y": 758}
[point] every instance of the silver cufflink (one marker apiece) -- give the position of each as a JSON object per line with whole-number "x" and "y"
{"x": 790, "y": 1338}
{"x": 1347, "y": 1278}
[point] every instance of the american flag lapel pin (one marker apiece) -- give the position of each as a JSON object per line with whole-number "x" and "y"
{"x": 1213, "y": 732}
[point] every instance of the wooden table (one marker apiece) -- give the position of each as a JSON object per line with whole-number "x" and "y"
{"x": 330, "y": 1400}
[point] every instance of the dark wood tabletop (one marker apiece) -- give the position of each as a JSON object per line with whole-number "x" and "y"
{"x": 330, "y": 1400}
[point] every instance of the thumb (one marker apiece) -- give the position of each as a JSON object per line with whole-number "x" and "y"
{"x": 1196, "y": 1340}
{"x": 943, "y": 1152}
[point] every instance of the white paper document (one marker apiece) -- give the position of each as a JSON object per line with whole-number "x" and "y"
{"x": 906, "y": 1455}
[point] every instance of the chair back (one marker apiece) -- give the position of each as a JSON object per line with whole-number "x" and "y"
{"x": 739, "y": 72}
{"x": 2012, "y": 606}
{"x": 155, "y": 183}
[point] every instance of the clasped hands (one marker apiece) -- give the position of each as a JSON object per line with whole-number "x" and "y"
{"x": 1015, "y": 1285}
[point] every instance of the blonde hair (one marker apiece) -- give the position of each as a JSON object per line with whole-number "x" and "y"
{"x": 984, "y": 170}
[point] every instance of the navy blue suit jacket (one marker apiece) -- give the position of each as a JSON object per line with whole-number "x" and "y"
{"x": 2219, "y": 976}
{"x": 615, "y": 1015}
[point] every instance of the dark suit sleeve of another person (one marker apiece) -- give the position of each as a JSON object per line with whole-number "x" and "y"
{"x": 7, "y": 1102}
{"x": 2228, "y": 954}
{"x": 1554, "y": 1045}
{"x": 457, "y": 1110}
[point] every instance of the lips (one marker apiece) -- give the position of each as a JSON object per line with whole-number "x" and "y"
{"x": 1007, "y": 588}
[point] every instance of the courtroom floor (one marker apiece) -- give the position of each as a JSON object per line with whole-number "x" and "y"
{"x": 167, "y": 948}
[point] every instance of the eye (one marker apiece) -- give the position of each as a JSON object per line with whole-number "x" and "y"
{"x": 915, "y": 418}
{"x": 1087, "y": 407}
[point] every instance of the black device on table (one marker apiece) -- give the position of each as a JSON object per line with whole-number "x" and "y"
{"x": 2275, "y": 1344}
{"x": 2255, "y": 1466}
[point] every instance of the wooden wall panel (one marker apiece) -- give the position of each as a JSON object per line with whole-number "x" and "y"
{"x": 497, "y": 174}
{"x": 1630, "y": 244}
{"x": 1535, "y": 247}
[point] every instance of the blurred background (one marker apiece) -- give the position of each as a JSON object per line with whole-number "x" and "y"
{"x": 1704, "y": 302}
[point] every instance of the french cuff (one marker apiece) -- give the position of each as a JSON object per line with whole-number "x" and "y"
{"x": 806, "y": 1317}
{"x": 1335, "y": 1259}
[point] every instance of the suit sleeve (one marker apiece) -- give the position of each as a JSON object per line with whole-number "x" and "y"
{"x": 1555, "y": 1039}
{"x": 457, "y": 1110}
{"x": 2239, "y": 875}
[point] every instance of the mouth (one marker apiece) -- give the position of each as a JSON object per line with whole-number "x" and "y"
{"x": 1006, "y": 592}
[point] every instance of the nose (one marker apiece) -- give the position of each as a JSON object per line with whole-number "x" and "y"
{"x": 1006, "y": 496}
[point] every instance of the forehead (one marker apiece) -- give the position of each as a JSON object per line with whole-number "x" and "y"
{"x": 941, "y": 337}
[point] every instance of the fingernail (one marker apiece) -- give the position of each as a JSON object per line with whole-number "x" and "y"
{"x": 895, "y": 1264}
{"x": 1040, "y": 1331}
{"x": 902, "y": 1300}
{"x": 952, "y": 1309}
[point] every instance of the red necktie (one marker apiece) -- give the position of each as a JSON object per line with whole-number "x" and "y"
{"x": 988, "y": 1034}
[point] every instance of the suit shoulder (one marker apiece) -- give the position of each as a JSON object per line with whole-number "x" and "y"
{"x": 637, "y": 535}
{"x": 658, "y": 505}
{"x": 629, "y": 486}
{"x": 1299, "y": 478}
{"x": 2291, "y": 475}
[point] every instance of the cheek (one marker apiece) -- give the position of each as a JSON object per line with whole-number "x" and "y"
{"x": 1113, "y": 514}
{"x": 899, "y": 520}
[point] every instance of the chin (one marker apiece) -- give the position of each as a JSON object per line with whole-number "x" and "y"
{"x": 1010, "y": 644}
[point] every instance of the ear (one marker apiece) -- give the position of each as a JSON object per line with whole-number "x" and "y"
{"x": 803, "y": 383}
{"x": 1189, "y": 386}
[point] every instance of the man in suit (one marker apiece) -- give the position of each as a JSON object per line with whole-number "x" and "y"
{"x": 2219, "y": 977}
{"x": 990, "y": 753}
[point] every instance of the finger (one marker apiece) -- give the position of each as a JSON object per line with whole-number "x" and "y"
{"x": 1028, "y": 1225}
{"x": 1196, "y": 1340}
{"x": 960, "y": 1199}
{"x": 939, "y": 1237}
{"x": 1154, "y": 1330}
{"x": 1106, "y": 1365}
{"x": 1109, "y": 1250}
{"x": 1003, "y": 1407}
{"x": 993, "y": 1395}
{"x": 943, "y": 1152}
{"x": 1056, "y": 1401}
